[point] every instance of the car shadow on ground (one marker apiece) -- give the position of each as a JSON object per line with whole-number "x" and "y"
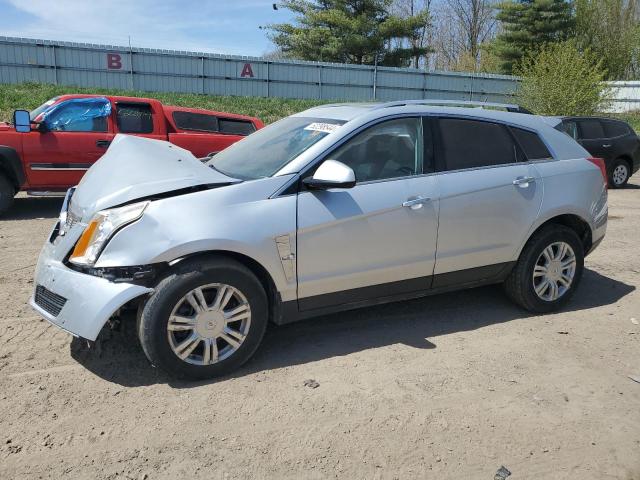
{"x": 117, "y": 356}
{"x": 31, "y": 208}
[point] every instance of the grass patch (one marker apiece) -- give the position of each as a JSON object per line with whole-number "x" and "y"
{"x": 28, "y": 96}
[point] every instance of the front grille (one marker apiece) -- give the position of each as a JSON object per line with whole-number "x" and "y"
{"x": 71, "y": 220}
{"x": 50, "y": 302}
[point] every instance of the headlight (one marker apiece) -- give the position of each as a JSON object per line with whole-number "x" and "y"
{"x": 101, "y": 228}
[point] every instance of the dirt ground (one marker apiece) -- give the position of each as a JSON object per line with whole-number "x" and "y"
{"x": 447, "y": 387}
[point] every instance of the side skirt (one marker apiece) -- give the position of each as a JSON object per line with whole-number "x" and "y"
{"x": 309, "y": 307}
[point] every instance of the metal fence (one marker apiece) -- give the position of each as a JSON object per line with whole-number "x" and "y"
{"x": 132, "y": 68}
{"x": 88, "y": 65}
{"x": 626, "y": 96}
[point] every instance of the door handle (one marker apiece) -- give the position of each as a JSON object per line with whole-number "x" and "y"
{"x": 103, "y": 143}
{"x": 524, "y": 181}
{"x": 606, "y": 145}
{"x": 416, "y": 203}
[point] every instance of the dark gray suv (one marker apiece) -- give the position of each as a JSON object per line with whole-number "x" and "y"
{"x": 613, "y": 140}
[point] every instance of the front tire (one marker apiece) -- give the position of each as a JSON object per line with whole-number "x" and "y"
{"x": 620, "y": 173}
{"x": 548, "y": 271}
{"x": 204, "y": 320}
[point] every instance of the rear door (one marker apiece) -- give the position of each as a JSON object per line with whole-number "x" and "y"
{"x": 594, "y": 139}
{"x": 75, "y": 134}
{"x": 378, "y": 238}
{"x": 489, "y": 198}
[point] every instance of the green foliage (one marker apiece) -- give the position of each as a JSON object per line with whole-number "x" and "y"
{"x": 559, "y": 79}
{"x": 349, "y": 31}
{"x": 611, "y": 30}
{"x": 30, "y": 95}
{"x": 527, "y": 26}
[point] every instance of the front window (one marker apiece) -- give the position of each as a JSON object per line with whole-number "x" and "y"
{"x": 42, "y": 108}
{"x": 266, "y": 151}
{"x": 390, "y": 149}
{"x": 78, "y": 115}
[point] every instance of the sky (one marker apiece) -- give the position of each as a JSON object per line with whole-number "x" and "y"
{"x": 218, "y": 26}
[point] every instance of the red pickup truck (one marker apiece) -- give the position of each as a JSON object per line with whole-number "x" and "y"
{"x": 70, "y": 132}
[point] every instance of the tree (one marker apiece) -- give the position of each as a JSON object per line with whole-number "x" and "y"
{"x": 348, "y": 31}
{"x": 476, "y": 23}
{"x": 462, "y": 30}
{"x": 420, "y": 38}
{"x": 527, "y": 26}
{"x": 611, "y": 30}
{"x": 559, "y": 79}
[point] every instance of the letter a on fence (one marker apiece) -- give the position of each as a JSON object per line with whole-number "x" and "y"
{"x": 247, "y": 71}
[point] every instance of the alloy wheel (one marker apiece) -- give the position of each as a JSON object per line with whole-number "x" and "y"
{"x": 554, "y": 271}
{"x": 620, "y": 174}
{"x": 209, "y": 324}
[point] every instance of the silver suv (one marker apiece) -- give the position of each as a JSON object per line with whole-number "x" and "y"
{"x": 330, "y": 209}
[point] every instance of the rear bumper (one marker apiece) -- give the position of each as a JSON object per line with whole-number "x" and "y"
{"x": 76, "y": 302}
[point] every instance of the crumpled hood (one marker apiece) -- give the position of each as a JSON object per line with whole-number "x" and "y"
{"x": 136, "y": 167}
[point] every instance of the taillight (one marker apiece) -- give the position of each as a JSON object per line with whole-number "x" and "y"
{"x": 599, "y": 162}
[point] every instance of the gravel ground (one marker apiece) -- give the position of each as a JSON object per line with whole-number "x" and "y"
{"x": 453, "y": 386}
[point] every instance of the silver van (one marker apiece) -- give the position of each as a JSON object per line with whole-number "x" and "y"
{"x": 330, "y": 209}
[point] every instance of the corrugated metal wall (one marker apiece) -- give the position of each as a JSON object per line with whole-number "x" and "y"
{"x": 88, "y": 65}
{"x": 626, "y": 96}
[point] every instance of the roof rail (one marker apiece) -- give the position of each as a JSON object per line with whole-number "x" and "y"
{"x": 461, "y": 103}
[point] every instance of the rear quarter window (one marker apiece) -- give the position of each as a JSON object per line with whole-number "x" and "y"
{"x": 533, "y": 146}
{"x": 200, "y": 122}
{"x": 236, "y": 127}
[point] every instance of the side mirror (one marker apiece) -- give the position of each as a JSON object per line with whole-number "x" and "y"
{"x": 22, "y": 121}
{"x": 331, "y": 174}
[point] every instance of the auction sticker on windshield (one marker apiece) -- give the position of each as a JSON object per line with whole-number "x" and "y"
{"x": 322, "y": 127}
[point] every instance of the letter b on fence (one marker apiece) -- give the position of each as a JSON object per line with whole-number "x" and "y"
{"x": 114, "y": 61}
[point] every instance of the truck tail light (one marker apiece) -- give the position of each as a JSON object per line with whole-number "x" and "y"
{"x": 599, "y": 162}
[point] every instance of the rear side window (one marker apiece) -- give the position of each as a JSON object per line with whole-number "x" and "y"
{"x": 472, "y": 143}
{"x": 532, "y": 145}
{"x": 570, "y": 128}
{"x": 613, "y": 128}
{"x": 195, "y": 121}
{"x": 134, "y": 118}
{"x": 591, "y": 129}
{"x": 236, "y": 127}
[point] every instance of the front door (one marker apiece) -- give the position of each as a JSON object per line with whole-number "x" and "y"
{"x": 489, "y": 198}
{"x": 75, "y": 134}
{"x": 377, "y": 239}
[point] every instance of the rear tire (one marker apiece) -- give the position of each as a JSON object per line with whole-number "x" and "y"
{"x": 553, "y": 256}
{"x": 619, "y": 174}
{"x": 200, "y": 343}
{"x": 7, "y": 192}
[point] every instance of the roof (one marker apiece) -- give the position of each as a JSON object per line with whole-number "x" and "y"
{"x": 350, "y": 111}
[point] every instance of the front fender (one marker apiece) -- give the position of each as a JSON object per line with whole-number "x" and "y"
{"x": 176, "y": 227}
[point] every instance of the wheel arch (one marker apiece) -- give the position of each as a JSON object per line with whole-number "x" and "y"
{"x": 575, "y": 222}
{"x": 11, "y": 166}
{"x": 261, "y": 273}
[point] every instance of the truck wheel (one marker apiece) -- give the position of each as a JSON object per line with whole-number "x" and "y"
{"x": 205, "y": 319}
{"x": 548, "y": 271}
{"x": 7, "y": 192}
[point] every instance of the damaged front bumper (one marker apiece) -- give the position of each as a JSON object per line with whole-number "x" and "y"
{"x": 76, "y": 302}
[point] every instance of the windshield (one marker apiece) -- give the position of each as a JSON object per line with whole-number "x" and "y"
{"x": 266, "y": 151}
{"x": 34, "y": 113}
